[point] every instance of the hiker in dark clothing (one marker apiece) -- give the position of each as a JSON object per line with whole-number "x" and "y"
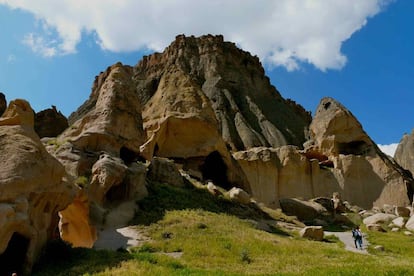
{"x": 357, "y": 235}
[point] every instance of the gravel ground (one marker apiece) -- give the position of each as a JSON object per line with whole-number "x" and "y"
{"x": 348, "y": 240}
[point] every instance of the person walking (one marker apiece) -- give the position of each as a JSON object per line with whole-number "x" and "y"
{"x": 357, "y": 235}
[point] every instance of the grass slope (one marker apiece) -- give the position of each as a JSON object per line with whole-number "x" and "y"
{"x": 218, "y": 237}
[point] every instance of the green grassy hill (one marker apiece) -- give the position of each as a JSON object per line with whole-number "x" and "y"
{"x": 195, "y": 233}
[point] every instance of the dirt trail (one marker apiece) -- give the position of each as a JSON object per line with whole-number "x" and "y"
{"x": 348, "y": 240}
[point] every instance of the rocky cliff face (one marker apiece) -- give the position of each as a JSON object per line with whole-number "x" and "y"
{"x": 32, "y": 190}
{"x": 404, "y": 155}
{"x": 339, "y": 157}
{"x": 229, "y": 87}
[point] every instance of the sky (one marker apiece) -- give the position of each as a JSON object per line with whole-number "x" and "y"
{"x": 359, "y": 52}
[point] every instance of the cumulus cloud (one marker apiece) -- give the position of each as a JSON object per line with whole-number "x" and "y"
{"x": 283, "y": 33}
{"x": 389, "y": 149}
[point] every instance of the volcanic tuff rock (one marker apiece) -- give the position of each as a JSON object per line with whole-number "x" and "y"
{"x": 3, "y": 103}
{"x": 340, "y": 157}
{"x": 32, "y": 190}
{"x": 404, "y": 155}
{"x": 50, "y": 122}
{"x": 361, "y": 169}
{"x": 100, "y": 147}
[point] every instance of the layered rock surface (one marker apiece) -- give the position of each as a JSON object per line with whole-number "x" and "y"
{"x": 404, "y": 155}
{"x": 99, "y": 149}
{"x": 32, "y": 188}
{"x": 339, "y": 157}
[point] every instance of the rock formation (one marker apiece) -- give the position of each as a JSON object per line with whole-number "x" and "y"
{"x": 100, "y": 148}
{"x": 3, "y": 103}
{"x": 339, "y": 157}
{"x": 50, "y": 122}
{"x": 404, "y": 155}
{"x": 32, "y": 188}
{"x": 211, "y": 86}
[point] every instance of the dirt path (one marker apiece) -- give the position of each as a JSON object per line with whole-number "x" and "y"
{"x": 348, "y": 240}
{"x": 115, "y": 238}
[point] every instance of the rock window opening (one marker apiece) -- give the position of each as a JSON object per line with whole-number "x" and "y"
{"x": 355, "y": 148}
{"x": 127, "y": 155}
{"x": 14, "y": 257}
{"x": 327, "y": 105}
{"x": 215, "y": 169}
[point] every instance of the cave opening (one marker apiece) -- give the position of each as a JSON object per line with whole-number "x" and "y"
{"x": 116, "y": 193}
{"x": 127, "y": 155}
{"x": 354, "y": 147}
{"x": 13, "y": 258}
{"x": 215, "y": 169}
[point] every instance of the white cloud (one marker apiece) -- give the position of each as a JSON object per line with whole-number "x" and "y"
{"x": 39, "y": 45}
{"x": 389, "y": 149}
{"x": 282, "y": 33}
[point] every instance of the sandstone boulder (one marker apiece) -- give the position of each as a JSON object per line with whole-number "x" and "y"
{"x": 379, "y": 218}
{"x": 402, "y": 211}
{"x": 239, "y": 195}
{"x": 375, "y": 227}
{"x": 410, "y": 224}
{"x": 164, "y": 170}
{"x": 303, "y": 210}
{"x": 107, "y": 173}
{"x": 33, "y": 190}
{"x": 50, "y": 122}
{"x": 312, "y": 232}
{"x": 399, "y": 222}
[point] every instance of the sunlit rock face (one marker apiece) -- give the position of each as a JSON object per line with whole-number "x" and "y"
{"x": 404, "y": 155}
{"x": 32, "y": 190}
{"x": 339, "y": 157}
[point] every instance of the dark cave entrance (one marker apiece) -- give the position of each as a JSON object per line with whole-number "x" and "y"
{"x": 354, "y": 147}
{"x": 215, "y": 169}
{"x": 127, "y": 155}
{"x": 13, "y": 258}
{"x": 116, "y": 193}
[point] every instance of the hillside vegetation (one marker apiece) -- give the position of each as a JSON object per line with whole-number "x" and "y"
{"x": 195, "y": 233}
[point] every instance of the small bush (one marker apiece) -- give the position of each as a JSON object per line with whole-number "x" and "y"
{"x": 245, "y": 258}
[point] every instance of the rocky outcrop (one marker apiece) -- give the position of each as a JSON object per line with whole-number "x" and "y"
{"x": 50, "y": 122}
{"x": 165, "y": 171}
{"x": 74, "y": 224}
{"x": 365, "y": 174}
{"x": 3, "y": 103}
{"x": 32, "y": 188}
{"x": 312, "y": 232}
{"x": 339, "y": 157}
{"x": 102, "y": 145}
{"x": 404, "y": 155}
{"x": 211, "y": 86}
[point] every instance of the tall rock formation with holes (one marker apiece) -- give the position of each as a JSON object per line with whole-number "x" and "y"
{"x": 203, "y": 98}
{"x": 99, "y": 151}
{"x": 339, "y": 157}
{"x": 32, "y": 190}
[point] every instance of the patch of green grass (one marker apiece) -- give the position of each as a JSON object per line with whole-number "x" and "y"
{"x": 163, "y": 197}
{"x": 217, "y": 237}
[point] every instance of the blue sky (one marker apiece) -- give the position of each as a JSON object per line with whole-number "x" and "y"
{"x": 359, "y": 52}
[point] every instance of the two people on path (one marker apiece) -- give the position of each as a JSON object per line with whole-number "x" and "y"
{"x": 357, "y": 235}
